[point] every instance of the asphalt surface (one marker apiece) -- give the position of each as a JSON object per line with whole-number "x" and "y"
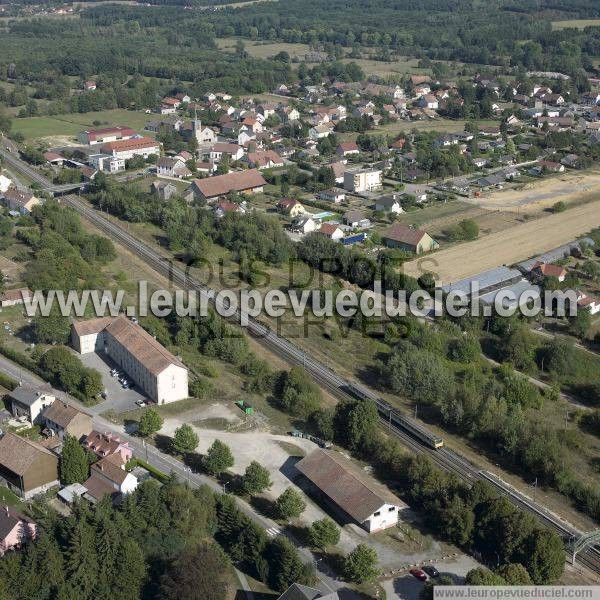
{"x": 168, "y": 464}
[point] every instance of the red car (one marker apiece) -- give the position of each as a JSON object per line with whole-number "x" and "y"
{"x": 419, "y": 574}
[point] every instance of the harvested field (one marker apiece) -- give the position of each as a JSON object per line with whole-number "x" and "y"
{"x": 509, "y": 246}
{"x": 533, "y": 197}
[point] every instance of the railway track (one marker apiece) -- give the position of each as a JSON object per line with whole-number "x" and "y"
{"x": 338, "y": 386}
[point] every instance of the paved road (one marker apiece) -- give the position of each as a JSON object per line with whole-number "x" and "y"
{"x": 166, "y": 463}
{"x": 419, "y": 440}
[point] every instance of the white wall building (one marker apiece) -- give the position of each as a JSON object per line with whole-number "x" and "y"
{"x": 126, "y": 149}
{"x": 354, "y": 493}
{"x": 107, "y": 163}
{"x": 161, "y": 376}
{"x": 363, "y": 180}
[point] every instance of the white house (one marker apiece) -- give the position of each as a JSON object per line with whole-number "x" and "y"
{"x": 168, "y": 166}
{"x": 107, "y": 163}
{"x": 335, "y": 195}
{"x": 428, "y": 101}
{"x": 161, "y": 376}
{"x": 390, "y": 203}
{"x": 320, "y": 131}
{"x": 332, "y": 231}
{"x": 30, "y": 401}
{"x": 350, "y": 490}
{"x": 233, "y": 151}
{"x": 304, "y": 224}
{"x": 5, "y": 183}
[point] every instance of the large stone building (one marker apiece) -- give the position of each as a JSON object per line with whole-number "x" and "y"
{"x": 161, "y": 376}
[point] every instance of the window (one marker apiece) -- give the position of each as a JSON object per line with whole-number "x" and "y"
{"x": 391, "y": 509}
{"x": 377, "y": 514}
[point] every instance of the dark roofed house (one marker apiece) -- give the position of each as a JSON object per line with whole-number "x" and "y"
{"x": 353, "y": 493}
{"x": 26, "y": 467}
{"x": 250, "y": 181}
{"x": 406, "y": 238}
{"x": 30, "y": 401}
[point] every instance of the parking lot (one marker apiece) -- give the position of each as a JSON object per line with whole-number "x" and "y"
{"x": 118, "y": 398}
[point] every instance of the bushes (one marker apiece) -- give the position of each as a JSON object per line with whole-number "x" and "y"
{"x": 296, "y": 393}
{"x": 67, "y": 372}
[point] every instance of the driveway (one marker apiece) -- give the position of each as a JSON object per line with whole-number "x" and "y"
{"x": 119, "y": 399}
{"x": 407, "y": 587}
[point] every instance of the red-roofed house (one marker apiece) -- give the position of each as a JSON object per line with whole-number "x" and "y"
{"x": 551, "y": 166}
{"x": 290, "y": 207}
{"x": 126, "y": 149}
{"x": 549, "y": 270}
{"x": 222, "y": 208}
{"x": 15, "y": 529}
{"x": 587, "y": 302}
{"x": 347, "y": 149}
{"x": 267, "y": 159}
{"x": 332, "y": 231}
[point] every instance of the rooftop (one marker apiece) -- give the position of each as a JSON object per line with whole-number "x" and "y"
{"x": 358, "y": 494}
{"x": 17, "y": 454}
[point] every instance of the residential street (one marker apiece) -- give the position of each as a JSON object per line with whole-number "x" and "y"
{"x": 167, "y": 464}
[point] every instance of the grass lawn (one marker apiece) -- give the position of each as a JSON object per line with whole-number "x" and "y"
{"x": 8, "y": 498}
{"x": 71, "y": 124}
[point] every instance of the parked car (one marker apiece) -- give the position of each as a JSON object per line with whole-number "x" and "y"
{"x": 431, "y": 571}
{"x": 419, "y": 574}
{"x": 140, "y": 403}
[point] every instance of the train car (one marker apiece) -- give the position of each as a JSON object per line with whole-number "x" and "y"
{"x": 388, "y": 412}
{"x": 417, "y": 430}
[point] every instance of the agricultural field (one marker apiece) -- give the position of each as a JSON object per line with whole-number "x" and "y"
{"x": 576, "y": 24}
{"x": 535, "y": 196}
{"x": 509, "y": 246}
{"x": 60, "y": 129}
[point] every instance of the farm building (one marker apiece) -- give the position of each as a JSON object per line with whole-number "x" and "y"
{"x": 487, "y": 281}
{"x": 26, "y": 467}
{"x": 350, "y": 490}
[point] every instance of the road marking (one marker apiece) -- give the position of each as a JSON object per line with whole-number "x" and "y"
{"x": 273, "y": 531}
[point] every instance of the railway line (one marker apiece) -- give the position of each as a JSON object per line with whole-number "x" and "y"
{"x": 413, "y": 435}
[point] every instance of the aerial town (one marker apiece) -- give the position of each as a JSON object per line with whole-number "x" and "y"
{"x": 151, "y": 151}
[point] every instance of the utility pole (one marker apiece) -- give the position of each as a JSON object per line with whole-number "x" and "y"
{"x": 534, "y": 488}
{"x": 416, "y": 406}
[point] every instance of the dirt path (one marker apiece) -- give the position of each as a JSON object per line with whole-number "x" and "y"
{"x": 509, "y": 246}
